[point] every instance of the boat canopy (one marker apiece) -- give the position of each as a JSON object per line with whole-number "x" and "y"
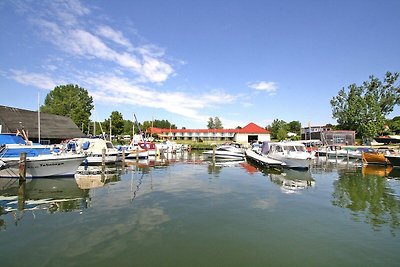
{"x": 11, "y": 139}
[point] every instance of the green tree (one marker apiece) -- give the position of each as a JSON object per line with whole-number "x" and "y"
{"x": 210, "y": 123}
{"x": 71, "y": 101}
{"x": 294, "y": 127}
{"x": 117, "y": 123}
{"x": 128, "y": 126}
{"x": 217, "y": 123}
{"x": 281, "y": 134}
{"x": 364, "y": 108}
{"x": 275, "y": 126}
{"x": 394, "y": 125}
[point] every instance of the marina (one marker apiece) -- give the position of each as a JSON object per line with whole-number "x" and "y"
{"x": 187, "y": 210}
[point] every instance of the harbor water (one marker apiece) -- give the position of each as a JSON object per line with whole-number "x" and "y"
{"x": 184, "y": 211}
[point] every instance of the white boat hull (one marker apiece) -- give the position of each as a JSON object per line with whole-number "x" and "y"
{"x": 293, "y": 162}
{"x": 44, "y": 166}
{"x": 224, "y": 155}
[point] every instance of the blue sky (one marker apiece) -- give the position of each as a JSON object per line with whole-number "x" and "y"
{"x": 186, "y": 61}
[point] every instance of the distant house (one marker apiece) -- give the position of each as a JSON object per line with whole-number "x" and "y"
{"x": 248, "y": 134}
{"x": 53, "y": 128}
{"x": 328, "y": 136}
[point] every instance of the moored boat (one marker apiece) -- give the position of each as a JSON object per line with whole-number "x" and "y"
{"x": 93, "y": 149}
{"x": 43, "y": 165}
{"x": 293, "y": 154}
{"x": 226, "y": 151}
{"x": 376, "y": 157}
{"x": 394, "y": 159}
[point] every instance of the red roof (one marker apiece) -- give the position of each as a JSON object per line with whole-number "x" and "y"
{"x": 249, "y": 128}
{"x": 253, "y": 128}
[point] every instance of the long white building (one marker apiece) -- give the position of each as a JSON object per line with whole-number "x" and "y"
{"x": 248, "y": 134}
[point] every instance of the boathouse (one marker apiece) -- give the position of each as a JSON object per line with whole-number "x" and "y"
{"x": 53, "y": 128}
{"x": 248, "y": 134}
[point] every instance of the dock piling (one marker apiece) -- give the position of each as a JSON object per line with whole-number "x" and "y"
{"x": 22, "y": 167}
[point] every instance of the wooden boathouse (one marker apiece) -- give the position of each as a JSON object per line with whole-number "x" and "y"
{"x": 53, "y": 128}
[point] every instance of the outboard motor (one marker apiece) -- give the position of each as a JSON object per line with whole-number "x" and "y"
{"x": 265, "y": 148}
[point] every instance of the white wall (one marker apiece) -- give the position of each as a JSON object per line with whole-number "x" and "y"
{"x": 242, "y": 138}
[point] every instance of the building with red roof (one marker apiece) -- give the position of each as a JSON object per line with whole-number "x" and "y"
{"x": 248, "y": 134}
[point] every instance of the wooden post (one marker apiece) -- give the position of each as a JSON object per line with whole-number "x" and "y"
{"x": 103, "y": 160}
{"x": 22, "y": 166}
{"x": 213, "y": 155}
{"x": 21, "y": 195}
{"x": 137, "y": 154}
{"x": 123, "y": 157}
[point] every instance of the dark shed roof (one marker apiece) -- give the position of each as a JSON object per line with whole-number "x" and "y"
{"x": 52, "y": 127}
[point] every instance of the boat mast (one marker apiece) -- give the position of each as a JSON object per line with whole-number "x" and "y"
{"x": 38, "y": 117}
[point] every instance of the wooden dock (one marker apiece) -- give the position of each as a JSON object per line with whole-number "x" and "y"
{"x": 263, "y": 160}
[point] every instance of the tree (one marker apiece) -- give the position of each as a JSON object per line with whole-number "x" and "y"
{"x": 214, "y": 123}
{"x": 275, "y": 126}
{"x": 71, "y": 101}
{"x": 128, "y": 126}
{"x": 217, "y": 123}
{"x": 117, "y": 123}
{"x": 281, "y": 134}
{"x": 294, "y": 127}
{"x": 394, "y": 125}
{"x": 364, "y": 108}
{"x": 210, "y": 123}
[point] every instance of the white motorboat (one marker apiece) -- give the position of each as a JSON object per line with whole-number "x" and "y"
{"x": 64, "y": 164}
{"x": 227, "y": 151}
{"x": 93, "y": 149}
{"x": 293, "y": 154}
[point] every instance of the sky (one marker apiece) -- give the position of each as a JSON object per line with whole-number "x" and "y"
{"x": 186, "y": 61}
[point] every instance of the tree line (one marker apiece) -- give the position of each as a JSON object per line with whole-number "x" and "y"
{"x": 75, "y": 102}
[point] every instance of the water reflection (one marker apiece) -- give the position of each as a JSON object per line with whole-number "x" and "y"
{"x": 215, "y": 166}
{"x": 368, "y": 196}
{"x": 292, "y": 181}
{"x": 52, "y": 195}
{"x": 376, "y": 170}
{"x": 95, "y": 176}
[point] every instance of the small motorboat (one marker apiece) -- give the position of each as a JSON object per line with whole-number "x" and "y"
{"x": 226, "y": 151}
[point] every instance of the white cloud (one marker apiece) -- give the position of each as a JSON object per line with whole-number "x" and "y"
{"x": 119, "y": 90}
{"x": 38, "y": 80}
{"x": 115, "y": 36}
{"x": 74, "y": 35}
{"x": 269, "y": 87}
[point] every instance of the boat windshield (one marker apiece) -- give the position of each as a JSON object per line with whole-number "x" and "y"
{"x": 301, "y": 148}
{"x": 289, "y": 148}
{"x": 109, "y": 145}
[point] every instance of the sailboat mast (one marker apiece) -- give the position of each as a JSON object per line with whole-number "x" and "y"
{"x": 38, "y": 117}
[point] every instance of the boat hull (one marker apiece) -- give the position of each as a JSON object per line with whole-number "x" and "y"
{"x": 394, "y": 160}
{"x": 44, "y": 166}
{"x": 223, "y": 155}
{"x": 375, "y": 158}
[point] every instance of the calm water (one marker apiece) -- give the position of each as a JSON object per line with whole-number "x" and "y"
{"x": 193, "y": 213}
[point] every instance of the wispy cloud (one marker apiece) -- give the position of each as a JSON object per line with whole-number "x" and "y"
{"x": 39, "y": 80}
{"x": 269, "y": 87}
{"x": 74, "y": 33}
{"x": 111, "y": 65}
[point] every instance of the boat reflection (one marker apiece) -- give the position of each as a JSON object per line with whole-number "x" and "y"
{"x": 54, "y": 195}
{"x": 94, "y": 176}
{"x": 376, "y": 170}
{"x": 215, "y": 166}
{"x": 292, "y": 181}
